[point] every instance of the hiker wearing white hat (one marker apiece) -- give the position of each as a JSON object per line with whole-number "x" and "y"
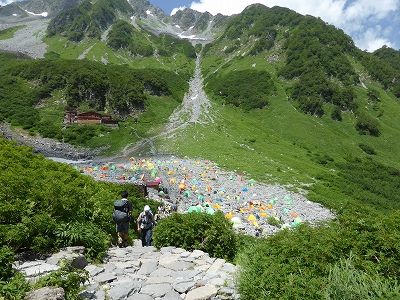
{"x": 145, "y": 223}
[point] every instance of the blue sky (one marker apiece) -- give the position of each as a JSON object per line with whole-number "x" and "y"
{"x": 371, "y": 24}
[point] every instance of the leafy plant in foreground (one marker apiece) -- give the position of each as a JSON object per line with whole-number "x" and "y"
{"x": 12, "y": 284}
{"x": 14, "y": 288}
{"x": 67, "y": 277}
{"x": 86, "y": 234}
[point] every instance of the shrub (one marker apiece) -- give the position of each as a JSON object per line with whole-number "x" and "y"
{"x": 14, "y": 288}
{"x": 336, "y": 114}
{"x": 6, "y": 261}
{"x": 274, "y": 221}
{"x": 345, "y": 281}
{"x": 210, "y": 233}
{"x": 10, "y": 287}
{"x": 366, "y": 125}
{"x": 367, "y": 149}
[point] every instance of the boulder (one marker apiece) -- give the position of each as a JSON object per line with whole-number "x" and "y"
{"x": 46, "y": 293}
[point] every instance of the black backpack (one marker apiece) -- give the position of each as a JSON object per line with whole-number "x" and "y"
{"x": 120, "y": 213}
{"x": 146, "y": 223}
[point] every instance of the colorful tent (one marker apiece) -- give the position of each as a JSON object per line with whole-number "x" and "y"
{"x": 216, "y": 206}
{"x": 194, "y": 209}
{"x": 251, "y": 217}
{"x": 210, "y": 211}
{"x": 236, "y": 222}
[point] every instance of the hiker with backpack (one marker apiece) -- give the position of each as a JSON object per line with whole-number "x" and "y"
{"x": 145, "y": 223}
{"x": 121, "y": 216}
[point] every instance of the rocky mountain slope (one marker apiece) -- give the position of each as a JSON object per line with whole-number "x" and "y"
{"x": 284, "y": 71}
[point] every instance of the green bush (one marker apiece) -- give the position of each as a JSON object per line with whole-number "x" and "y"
{"x": 6, "y": 261}
{"x": 14, "y": 288}
{"x": 45, "y": 205}
{"x": 303, "y": 263}
{"x": 345, "y": 282}
{"x": 247, "y": 89}
{"x": 12, "y": 285}
{"x": 210, "y": 233}
{"x": 367, "y": 125}
{"x": 274, "y": 221}
{"x": 367, "y": 149}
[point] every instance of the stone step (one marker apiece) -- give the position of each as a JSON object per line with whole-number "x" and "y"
{"x": 137, "y": 272}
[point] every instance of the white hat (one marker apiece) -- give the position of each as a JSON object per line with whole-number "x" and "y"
{"x": 146, "y": 208}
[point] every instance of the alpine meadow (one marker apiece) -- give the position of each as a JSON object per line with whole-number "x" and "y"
{"x": 287, "y": 99}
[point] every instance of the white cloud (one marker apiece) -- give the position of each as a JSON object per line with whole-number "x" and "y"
{"x": 357, "y": 18}
{"x": 176, "y": 9}
{"x": 370, "y": 40}
{"x": 5, "y": 2}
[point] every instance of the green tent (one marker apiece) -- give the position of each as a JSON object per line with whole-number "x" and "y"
{"x": 194, "y": 209}
{"x": 210, "y": 211}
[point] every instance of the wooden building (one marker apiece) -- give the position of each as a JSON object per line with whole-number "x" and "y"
{"x": 90, "y": 117}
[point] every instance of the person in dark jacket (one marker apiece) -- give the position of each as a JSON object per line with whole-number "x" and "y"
{"x": 145, "y": 223}
{"x": 123, "y": 228}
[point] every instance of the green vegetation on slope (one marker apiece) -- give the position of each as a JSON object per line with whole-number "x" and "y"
{"x": 312, "y": 61}
{"x": 87, "y": 19}
{"x": 9, "y": 32}
{"x": 43, "y": 204}
{"x": 46, "y": 205}
{"x": 35, "y": 94}
{"x": 299, "y": 264}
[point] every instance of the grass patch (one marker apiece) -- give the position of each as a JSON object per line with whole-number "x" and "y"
{"x": 130, "y": 131}
{"x": 8, "y": 33}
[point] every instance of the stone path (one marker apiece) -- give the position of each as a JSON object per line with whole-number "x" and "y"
{"x": 145, "y": 273}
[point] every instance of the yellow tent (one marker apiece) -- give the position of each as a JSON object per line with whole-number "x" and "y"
{"x": 228, "y": 216}
{"x": 251, "y": 217}
{"x": 216, "y": 206}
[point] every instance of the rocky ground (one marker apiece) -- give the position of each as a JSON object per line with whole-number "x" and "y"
{"x": 189, "y": 184}
{"x": 47, "y": 147}
{"x": 27, "y": 40}
{"x": 137, "y": 272}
